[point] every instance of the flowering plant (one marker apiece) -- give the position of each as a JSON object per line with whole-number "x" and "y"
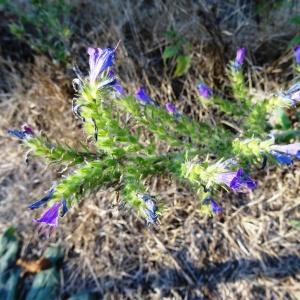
{"x": 209, "y": 157}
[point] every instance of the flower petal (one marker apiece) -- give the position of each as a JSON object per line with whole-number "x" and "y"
{"x": 50, "y": 216}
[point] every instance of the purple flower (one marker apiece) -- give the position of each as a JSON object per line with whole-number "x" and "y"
{"x": 282, "y": 159}
{"x": 215, "y": 207}
{"x": 240, "y": 57}
{"x": 237, "y": 181}
{"x": 114, "y": 83}
{"x": 50, "y": 216}
{"x": 150, "y": 209}
{"x": 144, "y": 98}
{"x": 42, "y": 201}
{"x": 284, "y": 154}
{"x": 204, "y": 90}
{"x": 27, "y": 129}
{"x": 100, "y": 60}
{"x": 23, "y": 134}
{"x": 171, "y": 108}
{"x": 297, "y": 54}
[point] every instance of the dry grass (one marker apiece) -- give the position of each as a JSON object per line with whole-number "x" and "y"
{"x": 252, "y": 252}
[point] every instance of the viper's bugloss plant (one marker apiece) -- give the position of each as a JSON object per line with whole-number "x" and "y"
{"x": 210, "y": 157}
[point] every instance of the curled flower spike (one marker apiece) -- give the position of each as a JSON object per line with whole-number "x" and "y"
{"x": 204, "y": 91}
{"x": 284, "y": 154}
{"x": 144, "y": 98}
{"x": 100, "y": 60}
{"x": 23, "y": 134}
{"x": 237, "y": 181}
{"x": 150, "y": 209}
{"x": 297, "y": 54}
{"x": 42, "y": 201}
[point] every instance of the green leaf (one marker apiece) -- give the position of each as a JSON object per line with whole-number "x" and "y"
{"x": 295, "y": 20}
{"x": 286, "y": 136}
{"x": 170, "y": 52}
{"x": 183, "y": 63}
{"x": 295, "y": 223}
{"x": 17, "y": 30}
{"x": 294, "y": 41}
{"x": 170, "y": 34}
{"x": 284, "y": 120}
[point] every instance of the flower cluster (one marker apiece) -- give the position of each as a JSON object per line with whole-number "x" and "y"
{"x": 209, "y": 155}
{"x": 25, "y": 133}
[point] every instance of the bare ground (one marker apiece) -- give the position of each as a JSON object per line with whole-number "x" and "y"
{"x": 252, "y": 252}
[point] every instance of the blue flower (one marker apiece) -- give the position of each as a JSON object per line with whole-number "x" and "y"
{"x": 215, "y": 207}
{"x": 50, "y": 216}
{"x": 238, "y": 181}
{"x": 240, "y": 57}
{"x": 171, "y": 108}
{"x": 42, "y": 201}
{"x": 297, "y": 54}
{"x": 115, "y": 84}
{"x": 23, "y": 134}
{"x": 100, "y": 60}
{"x": 204, "y": 91}
{"x": 144, "y": 98}
{"x": 284, "y": 154}
{"x": 282, "y": 159}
